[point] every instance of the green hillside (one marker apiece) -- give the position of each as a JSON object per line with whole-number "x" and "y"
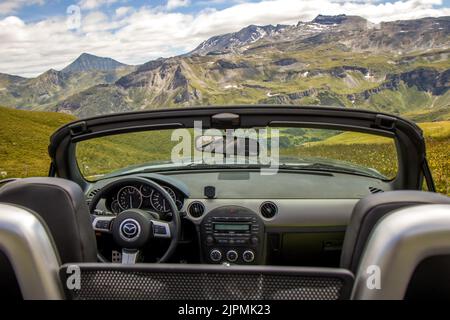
{"x": 437, "y": 135}
{"x": 24, "y": 138}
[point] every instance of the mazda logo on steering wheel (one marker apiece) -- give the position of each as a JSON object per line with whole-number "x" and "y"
{"x": 129, "y": 229}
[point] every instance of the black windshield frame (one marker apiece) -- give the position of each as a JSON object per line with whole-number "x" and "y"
{"x": 408, "y": 136}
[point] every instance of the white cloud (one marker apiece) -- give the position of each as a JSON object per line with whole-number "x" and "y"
{"x": 136, "y": 36}
{"x": 10, "y": 6}
{"x": 123, "y": 11}
{"x": 173, "y": 4}
{"x": 93, "y": 4}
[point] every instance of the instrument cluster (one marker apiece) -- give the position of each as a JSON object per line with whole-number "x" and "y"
{"x": 140, "y": 196}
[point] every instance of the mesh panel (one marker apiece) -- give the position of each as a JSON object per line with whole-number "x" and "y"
{"x": 118, "y": 284}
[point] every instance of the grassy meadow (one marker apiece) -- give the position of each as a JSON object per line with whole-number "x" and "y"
{"x": 24, "y": 139}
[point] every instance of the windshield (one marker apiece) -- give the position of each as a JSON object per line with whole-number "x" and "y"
{"x": 273, "y": 148}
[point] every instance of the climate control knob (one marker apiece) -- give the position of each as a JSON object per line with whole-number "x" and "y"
{"x": 215, "y": 255}
{"x": 232, "y": 256}
{"x": 248, "y": 256}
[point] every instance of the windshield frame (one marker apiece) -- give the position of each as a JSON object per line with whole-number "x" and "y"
{"x": 408, "y": 136}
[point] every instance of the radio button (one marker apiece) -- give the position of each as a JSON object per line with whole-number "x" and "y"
{"x": 232, "y": 256}
{"x": 248, "y": 256}
{"x": 215, "y": 255}
{"x": 209, "y": 239}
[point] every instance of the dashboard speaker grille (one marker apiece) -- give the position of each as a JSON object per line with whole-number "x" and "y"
{"x": 196, "y": 209}
{"x": 268, "y": 210}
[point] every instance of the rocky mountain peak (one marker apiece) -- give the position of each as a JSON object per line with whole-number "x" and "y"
{"x": 228, "y": 42}
{"x": 324, "y": 19}
{"x": 89, "y": 62}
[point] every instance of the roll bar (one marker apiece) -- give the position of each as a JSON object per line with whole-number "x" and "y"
{"x": 26, "y": 242}
{"x": 397, "y": 245}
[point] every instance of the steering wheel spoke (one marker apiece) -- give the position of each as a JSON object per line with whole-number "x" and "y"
{"x": 131, "y": 256}
{"x": 102, "y": 223}
{"x": 161, "y": 229}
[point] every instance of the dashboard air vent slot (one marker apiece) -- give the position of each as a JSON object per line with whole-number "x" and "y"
{"x": 196, "y": 209}
{"x": 268, "y": 210}
{"x": 375, "y": 190}
{"x": 91, "y": 195}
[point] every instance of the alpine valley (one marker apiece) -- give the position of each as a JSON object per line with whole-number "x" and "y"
{"x": 400, "y": 67}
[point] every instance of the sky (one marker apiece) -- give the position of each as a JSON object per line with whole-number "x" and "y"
{"x": 36, "y": 35}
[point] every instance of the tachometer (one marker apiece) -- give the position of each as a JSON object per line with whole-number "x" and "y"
{"x": 159, "y": 202}
{"x": 129, "y": 197}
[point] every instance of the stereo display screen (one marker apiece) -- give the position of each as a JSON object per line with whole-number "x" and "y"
{"x": 231, "y": 227}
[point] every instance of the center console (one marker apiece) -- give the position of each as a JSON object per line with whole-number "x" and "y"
{"x": 232, "y": 234}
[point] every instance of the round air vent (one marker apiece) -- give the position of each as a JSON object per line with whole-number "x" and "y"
{"x": 268, "y": 210}
{"x": 196, "y": 209}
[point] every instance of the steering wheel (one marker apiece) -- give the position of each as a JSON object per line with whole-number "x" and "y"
{"x": 134, "y": 229}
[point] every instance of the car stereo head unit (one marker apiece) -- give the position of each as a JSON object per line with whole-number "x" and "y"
{"x": 232, "y": 234}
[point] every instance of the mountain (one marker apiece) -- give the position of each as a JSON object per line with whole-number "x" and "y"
{"x": 52, "y": 86}
{"x": 89, "y": 62}
{"x": 7, "y": 79}
{"x": 228, "y": 42}
{"x": 400, "y": 67}
{"x": 354, "y": 32}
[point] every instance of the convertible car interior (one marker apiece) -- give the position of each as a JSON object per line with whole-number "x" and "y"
{"x": 120, "y": 213}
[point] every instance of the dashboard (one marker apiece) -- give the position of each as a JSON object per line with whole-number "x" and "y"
{"x": 286, "y": 219}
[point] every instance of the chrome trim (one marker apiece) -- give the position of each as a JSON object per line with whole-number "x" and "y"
{"x": 252, "y": 254}
{"x": 189, "y": 207}
{"x": 171, "y": 193}
{"x": 130, "y": 256}
{"x": 232, "y": 252}
{"x": 211, "y": 255}
{"x": 397, "y": 245}
{"x": 260, "y": 210}
{"x": 123, "y": 236}
{"x": 102, "y": 218}
{"x": 161, "y": 224}
{"x": 133, "y": 187}
{"x": 30, "y": 249}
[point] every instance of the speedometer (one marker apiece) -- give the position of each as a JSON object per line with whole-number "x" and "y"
{"x": 159, "y": 202}
{"x": 129, "y": 197}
